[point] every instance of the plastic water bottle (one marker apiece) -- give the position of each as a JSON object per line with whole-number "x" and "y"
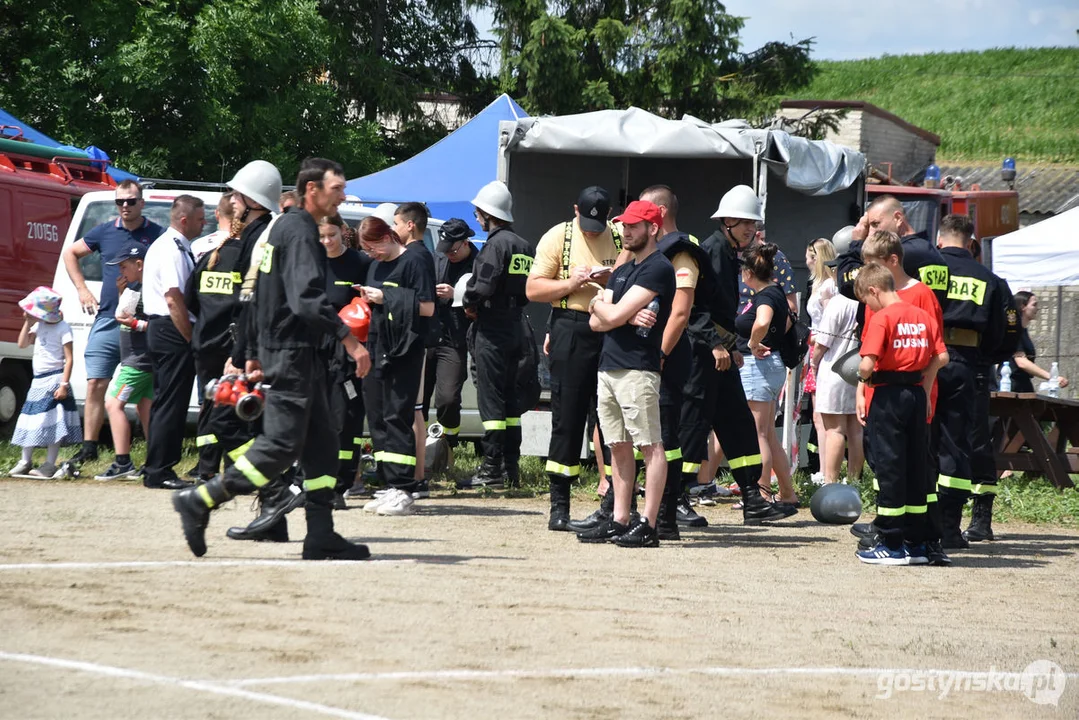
{"x": 1054, "y": 380}
{"x": 654, "y": 307}
{"x": 1006, "y": 377}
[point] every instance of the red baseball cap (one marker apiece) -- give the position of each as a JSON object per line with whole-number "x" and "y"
{"x": 641, "y": 210}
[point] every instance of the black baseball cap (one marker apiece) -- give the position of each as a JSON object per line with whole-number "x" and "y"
{"x": 132, "y": 250}
{"x": 594, "y": 205}
{"x": 452, "y": 232}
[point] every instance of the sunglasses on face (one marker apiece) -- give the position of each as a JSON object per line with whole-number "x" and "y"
{"x": 131, "y": 202}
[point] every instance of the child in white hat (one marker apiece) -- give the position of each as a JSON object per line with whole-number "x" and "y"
{"x": 49, "y": 417}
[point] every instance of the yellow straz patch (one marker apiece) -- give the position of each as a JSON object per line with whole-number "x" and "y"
{"x": 966, "y": 289}
{"x": 935, "y": 276}
{"x": 520, "y": 264}
{"x": 216, "y": 282}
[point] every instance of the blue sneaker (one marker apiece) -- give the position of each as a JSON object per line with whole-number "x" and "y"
{"x": 916, "y": 554}
{"x": 883, "y": 555}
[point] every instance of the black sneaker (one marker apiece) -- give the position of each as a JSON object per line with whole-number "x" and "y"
{"x": 597, "y": 518}
{"x": 117, "y": 471}
{"x": 864, "y": 531}
{"x": 641, "y": 534}
{"x": 687, "y": 516}
{"x": 422, "y": 491}
{"x": 603, "y": 533}
{"x": 937, "y": 556}
{"x": 83, "y": 456}
{"x": 485, "y": 476}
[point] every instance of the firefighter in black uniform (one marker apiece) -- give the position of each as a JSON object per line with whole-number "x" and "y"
{"x": 714, "y": 398}
{"x": 973, "y": 318}
{"x": 494, "y": 296}
{"x": 572, "y": 260}
{"x": 291, "y": 317}
{"x": 346, "y": 270}
{"x": 446, "y": 366}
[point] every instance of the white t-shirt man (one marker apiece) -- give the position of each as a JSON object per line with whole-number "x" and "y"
{"x": 168, "y": 265}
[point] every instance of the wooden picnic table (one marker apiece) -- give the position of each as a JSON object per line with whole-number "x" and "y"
{"x": 1027, "y": 445}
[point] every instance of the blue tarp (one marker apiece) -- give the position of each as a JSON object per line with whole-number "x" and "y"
{"x": 42, "y": 139}
{"x": 446, "y": 175}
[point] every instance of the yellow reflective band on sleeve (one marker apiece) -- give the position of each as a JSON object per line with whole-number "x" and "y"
{"x": 390, "y": 284}
{"x": 203, "y": 440}
{"x": 675, "y": 454}
{"x": 494, "y": 424}
{"x": 451, "y": 431}
{"x": 608, "y": 470}
{"x": 344, "y": 282}
{"x": 560, "y": 469}
{"x": 812, "y": 447}
{"x": 319, "y": 483}
{"x": 357, "y": 441}
{"x": 966, "y": 289}
{"x": 876, "y": 484}
{"x": 688, "y": 467}
{"x": 935, "y": 276}
{"x": 637, "y": 454}
{"x": 251, "y": 472}
{"x": 215, "y": 283}
{"x": 234, "y": 455}
{"x": 513, "y": 422}
{"x": 591, "y": 446}
{"x": 892, "y": 512}
{"x": 953, "y": 482}
{"x": 266, "y": 265}
{"x": 917, "y": 509}
{"x": 693, "y": 239}
{"x": 930, "y": 499}
{"x": 520, "y": 264}
{"x": 344, "y": 454}
{"x": 984, "y": 489}
{"x": 397, "y": 458}
{"x": 745, "y": 461}
{"x": 205, "y": 495}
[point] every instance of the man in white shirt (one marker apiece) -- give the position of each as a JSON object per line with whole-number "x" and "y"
{"x": 168, "y": 265}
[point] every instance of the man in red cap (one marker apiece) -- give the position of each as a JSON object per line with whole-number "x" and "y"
{"x": 633, "y": 312}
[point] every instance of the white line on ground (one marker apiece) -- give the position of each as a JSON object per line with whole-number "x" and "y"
{"x": 570, "y": 673}
{"x": 185, "y": 563}
{"x": 198, "y": 685}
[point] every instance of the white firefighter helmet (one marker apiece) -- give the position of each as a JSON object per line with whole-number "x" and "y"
{"x": 459, "y": 290}
{"x": 494, "y": 199}
{"x": 739, "y": 202}
{"x": 385, "y": 213}
{"x": 260, "y": 181}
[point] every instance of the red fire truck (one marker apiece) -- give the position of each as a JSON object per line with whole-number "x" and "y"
{"x": 40, "y": 188}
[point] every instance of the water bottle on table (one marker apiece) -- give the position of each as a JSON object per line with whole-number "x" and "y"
{"x": 654, "y": 307}
{"x": 1054, "y": 380}
{"x": 1006, "y": 377}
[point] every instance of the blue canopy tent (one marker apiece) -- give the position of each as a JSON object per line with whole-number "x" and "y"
{"x": 446, "y": 175}
{"x": 42, "y": 139}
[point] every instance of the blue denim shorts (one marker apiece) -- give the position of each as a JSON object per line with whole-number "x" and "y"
{"x": 763, "y": 379}
{"x": 102, "y": 353}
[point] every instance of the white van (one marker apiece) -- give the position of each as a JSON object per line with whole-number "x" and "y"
{"x": 98, "y": 207}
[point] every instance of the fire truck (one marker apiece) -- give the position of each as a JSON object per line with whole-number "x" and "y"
{"x": 40, "y": 188}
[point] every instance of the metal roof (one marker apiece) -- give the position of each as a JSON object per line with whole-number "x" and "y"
{"x": 1043, "y": 189}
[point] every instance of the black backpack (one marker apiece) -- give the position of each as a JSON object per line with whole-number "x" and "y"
{"x": 795, "y": 343}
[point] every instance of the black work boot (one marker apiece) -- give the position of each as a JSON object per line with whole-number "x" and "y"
{"x": 277, "y": 532}
{"x": 667, "y": 520}
{"x": 194, "y": 505}
{"x": 602, "y": 514}
{"x": 981, "y": 519}
{"x": 279, "y": 498}
{"x": 757, "y": 510}
{"x": 513, "y": 474}
{"x": 686, "y": 515}
{"x": 491, "y": 472}
{"x": 606, "y": 531}
{"x": 951, "y": 518}
{"x": 559, "y": 520}
{"x": 322, "y": 541}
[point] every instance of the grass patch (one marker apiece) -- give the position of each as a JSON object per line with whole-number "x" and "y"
{"x": 984, "y": 105}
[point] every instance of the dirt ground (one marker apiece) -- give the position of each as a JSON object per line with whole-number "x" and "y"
{"x": 475, "y": 610}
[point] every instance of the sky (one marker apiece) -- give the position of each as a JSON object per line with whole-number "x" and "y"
{"x": 851, "y": 29}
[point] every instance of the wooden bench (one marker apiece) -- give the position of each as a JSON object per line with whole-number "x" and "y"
{"x": 1026, "y": 446}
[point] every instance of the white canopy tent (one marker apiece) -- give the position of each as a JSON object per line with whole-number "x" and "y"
{"x": 1046, "y": 253}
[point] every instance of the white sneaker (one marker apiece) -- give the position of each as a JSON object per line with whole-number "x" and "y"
{"x": 401, "y": 503}
{"x": 21, "y": 468}
{"x": 45, "y": 471}
{"x": 817, "y": 478}
{"x": 380, "y": 497}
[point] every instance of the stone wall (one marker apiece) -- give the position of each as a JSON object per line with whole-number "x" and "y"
{"x": 884, "y": 141}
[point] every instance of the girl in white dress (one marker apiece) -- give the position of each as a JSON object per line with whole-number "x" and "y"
{"x": 822, "y": 281}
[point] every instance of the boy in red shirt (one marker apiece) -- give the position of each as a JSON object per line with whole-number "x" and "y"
{"x": 902, "y": 351}
{"x": 885, "y": 248}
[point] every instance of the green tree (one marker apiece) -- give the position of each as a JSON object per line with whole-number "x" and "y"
{"x": 182, "y": 88}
